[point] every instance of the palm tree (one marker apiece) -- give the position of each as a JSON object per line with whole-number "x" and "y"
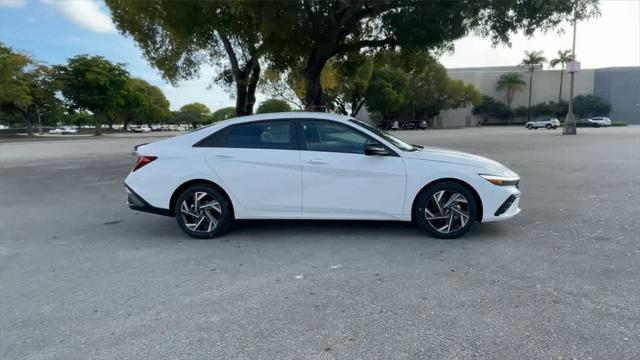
{"x": 563, "y": 58}
{"x": 511, "y": 82}
{"x": 531, "y": 60}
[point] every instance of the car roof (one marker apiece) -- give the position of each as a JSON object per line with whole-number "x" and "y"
{"x": 196, "y": 135}
{"x": 284, "y": 116}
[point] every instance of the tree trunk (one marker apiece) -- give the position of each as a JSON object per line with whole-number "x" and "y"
{"x": 241, "y": 98}
{"x": 530, "y": 89}
{"x": 313, "y": 97}
{"x": 98, "y": 122}
{"x": 29, "y": 118}
{"x": 561, "y": 76}
{"x": 356, "y": 105}
{"x": 251, "y": 89}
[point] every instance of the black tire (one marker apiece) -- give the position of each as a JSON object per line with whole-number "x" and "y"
{"x": 530, "y": 127}
{"x": 548, "y": 126}
{"x": 422, "y": 201}
{"x": 212, "y": 195}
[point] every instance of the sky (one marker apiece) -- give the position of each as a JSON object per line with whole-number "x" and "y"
{"x": 54, "y": 30}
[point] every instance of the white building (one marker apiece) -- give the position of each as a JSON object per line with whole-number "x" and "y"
{"x": 620, "y": 87}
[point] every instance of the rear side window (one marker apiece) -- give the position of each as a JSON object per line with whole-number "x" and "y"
{"x": 261, "y": 135}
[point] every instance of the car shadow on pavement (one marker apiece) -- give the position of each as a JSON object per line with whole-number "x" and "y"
{"x": 278, "y": 230}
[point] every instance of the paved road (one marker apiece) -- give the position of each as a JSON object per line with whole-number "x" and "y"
{"x": 83, "y": 277}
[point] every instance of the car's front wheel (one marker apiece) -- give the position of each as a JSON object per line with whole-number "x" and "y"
{"x": 446, "y": 210}
{"x": 530, "y": 127}
{"x": 202, "y": 212}
{"x": 548, "y": 126}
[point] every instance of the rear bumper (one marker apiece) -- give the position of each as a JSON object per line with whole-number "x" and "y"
{"x": 136, "y": 202}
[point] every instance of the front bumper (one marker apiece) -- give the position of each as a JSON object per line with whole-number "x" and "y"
{"x": 136, "y": 202}
{"x": 504, "y": 204}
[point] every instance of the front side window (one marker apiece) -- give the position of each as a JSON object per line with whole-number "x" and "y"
{"x": 333, "y": 137}
{"x": 261, "y": 135}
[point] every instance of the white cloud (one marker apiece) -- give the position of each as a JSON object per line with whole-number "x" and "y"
{"x": 13, "y": 3}
{"x": 196, "y": 90}
{"x": 610, "y": 40}
{"x": 85, "y": 13}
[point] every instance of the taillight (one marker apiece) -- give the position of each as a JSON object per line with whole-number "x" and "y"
{"x": 142, "y": 161}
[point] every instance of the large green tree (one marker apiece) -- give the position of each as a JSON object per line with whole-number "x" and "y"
{"x": 95, "y": 84}
{"x": 195, "y": 114}
{"x": 353, "y": 76}
{"x": 143, "y": 104}
{"x": 273, "y": 105}
{"x": 223, "y": 114}
{"x": 319, "y": 30}
{"x": 387, "y": 91}
{"x": 178, "y": 37}
{"x": 428, "y": 89}
{"x": 27, "y": 88}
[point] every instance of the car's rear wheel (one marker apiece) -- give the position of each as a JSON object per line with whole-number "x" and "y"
{"x": 203, "y": 212}
{"x": 530, "y": 127}
{"x": 446, "y": 210}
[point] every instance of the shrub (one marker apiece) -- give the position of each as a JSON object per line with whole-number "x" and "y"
{"x": 588, "y": 105}
{"x": 491, "y": 107}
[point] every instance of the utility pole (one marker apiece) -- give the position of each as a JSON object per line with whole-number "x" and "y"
{"x": 572, "y": 67}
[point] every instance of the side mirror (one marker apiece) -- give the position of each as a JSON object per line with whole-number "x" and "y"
{"x": 375, "y": 149}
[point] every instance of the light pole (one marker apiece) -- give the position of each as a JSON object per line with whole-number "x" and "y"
{"x": 572, "y": 67}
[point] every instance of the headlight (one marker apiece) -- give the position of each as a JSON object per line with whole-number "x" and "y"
{"x": 501, "y": 180}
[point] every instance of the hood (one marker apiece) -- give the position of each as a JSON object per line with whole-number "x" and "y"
{"x": 461, "y": 158}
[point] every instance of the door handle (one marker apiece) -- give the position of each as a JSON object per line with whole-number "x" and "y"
{"x": 224, "y": 156}
{"x": 317, "y": 161}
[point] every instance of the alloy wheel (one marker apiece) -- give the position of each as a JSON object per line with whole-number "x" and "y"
{"x": 201, "y": 212}
{"x": 447, "y": 211}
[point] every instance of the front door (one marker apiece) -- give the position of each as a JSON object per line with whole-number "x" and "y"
{"x": 338, "y": 177}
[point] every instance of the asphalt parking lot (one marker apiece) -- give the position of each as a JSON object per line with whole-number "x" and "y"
{"x": 83, "y": 277}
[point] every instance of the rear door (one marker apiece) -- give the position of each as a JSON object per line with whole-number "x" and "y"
{"x": 338, "y": 177}
{"x": 259, "y": 162}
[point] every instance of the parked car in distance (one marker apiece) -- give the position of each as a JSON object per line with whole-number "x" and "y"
{"x": 64, "y": 130}
{"x": 601, "y": 121}
{"x": 587, "y": 123}
{"x": 315, "y": 166}
{"x": 141, "y": 129}
{"x": 547, "y": 123}
{"x": 414, "y": 125}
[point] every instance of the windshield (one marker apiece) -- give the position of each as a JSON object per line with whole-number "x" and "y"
{"x": 385, "y": 135}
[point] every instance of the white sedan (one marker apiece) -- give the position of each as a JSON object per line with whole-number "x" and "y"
{"x": 64, "y": 130}
{"x": 315, "y": 166}
{"x": 600, "y": 121}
